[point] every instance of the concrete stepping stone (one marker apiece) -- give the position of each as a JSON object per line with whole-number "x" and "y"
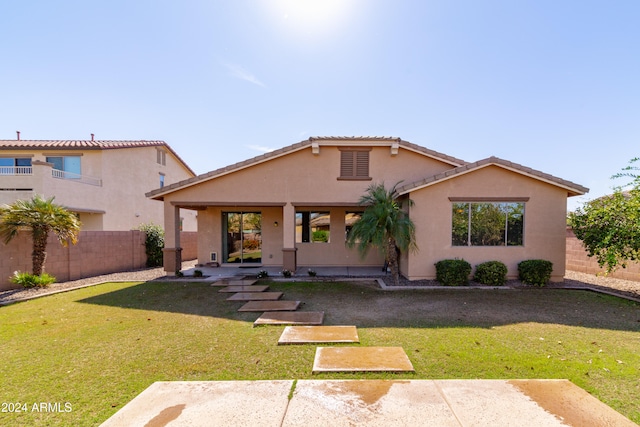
{"x": 361, "y": 359}
{"x": 290, "y": 318}
{"x": 318, "y": 334}
{"x": 255, "y": 296}
{"x": 251, "y": 288}
{"x": 270, "y": 306}
{"x": 234, "y": 282}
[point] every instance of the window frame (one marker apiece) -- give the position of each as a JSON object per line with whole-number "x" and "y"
{"x": 305, "y": 217}
{"x": 505, "y": 230}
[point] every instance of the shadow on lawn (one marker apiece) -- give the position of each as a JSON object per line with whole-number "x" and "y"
{"x": 367, "y": 306}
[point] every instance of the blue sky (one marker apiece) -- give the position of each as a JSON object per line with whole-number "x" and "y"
{"x": 550, "y": 84}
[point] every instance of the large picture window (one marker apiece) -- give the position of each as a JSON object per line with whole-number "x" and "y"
{"x": 487, "y": 223}
{"x": 313, "y": 227}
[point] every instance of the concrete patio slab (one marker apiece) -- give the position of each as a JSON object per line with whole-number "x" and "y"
{"x": 270, "y": 306}
{"x": 361, "y": 359}
{"x": 206, "y": 403}
{"x": 234, "y": 282}
{"x": 255, "y": 296}
{"x": 250, "y": 288}
{"x": 318, "y": 334}
{"x": 460, "y": 403}
{"x": 368, "y": 403}
{"x": 539, "y": 402}
{"x": 290, "y": 318}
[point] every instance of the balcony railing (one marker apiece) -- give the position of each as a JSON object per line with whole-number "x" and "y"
{"x": 15, "y": 170}
{"x": 83, "y": 179}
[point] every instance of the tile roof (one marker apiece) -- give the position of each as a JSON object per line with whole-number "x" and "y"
{"x": 84, "y": 144}
{"x": 26, "y": 144}
{"x": 322, "y": 140}
{"x": 573, "y": 188}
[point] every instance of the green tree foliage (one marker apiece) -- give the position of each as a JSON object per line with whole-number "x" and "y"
{"x": 39, "y": 216}
{"x": 383, "y": 224}
{"x": 628, "y": 173}
{"x": 609, "y": 226}
{"x": 154, "y": 242}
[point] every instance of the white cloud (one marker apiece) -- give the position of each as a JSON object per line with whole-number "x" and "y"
{"x": 239, "y": 72}
{"x": 261, "y": 148}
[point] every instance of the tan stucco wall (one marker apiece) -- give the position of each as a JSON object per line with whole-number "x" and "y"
{"x": 126, "y": 174}
{"x": 303, "y": 177}
{"x": 306, "y": 181}
{"x": 298, "y": 179}
{"x": 544, "y": 232}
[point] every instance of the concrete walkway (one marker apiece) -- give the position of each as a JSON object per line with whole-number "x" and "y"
{"x": 322, "y": 403}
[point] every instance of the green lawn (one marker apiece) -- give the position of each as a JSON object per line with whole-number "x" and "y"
{"x": 97, "y": 348}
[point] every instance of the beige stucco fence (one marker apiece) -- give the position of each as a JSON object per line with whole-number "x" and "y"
{"x": 97, "y": 252}
{"x": 577, "y": 260}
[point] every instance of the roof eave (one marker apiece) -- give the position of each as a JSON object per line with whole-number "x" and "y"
{"x": 572, "y": 188}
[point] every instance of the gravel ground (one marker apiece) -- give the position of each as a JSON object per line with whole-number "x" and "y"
{"x": 573, "y": 279}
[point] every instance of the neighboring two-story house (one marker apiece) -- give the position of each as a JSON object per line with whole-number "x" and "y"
{"x": 104, "y": 182}
{"x": 294, "y": 207}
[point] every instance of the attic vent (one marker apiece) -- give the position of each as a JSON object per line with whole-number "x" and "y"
{"x": 354, "y": 164}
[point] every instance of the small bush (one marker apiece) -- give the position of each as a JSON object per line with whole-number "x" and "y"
{"x": 535, "y": 271}
{"x": 262, "y": 274}
{"x": 453, "y": 272}
{"x": 28, "y": 280}
{"x": 197, "y": 273}
{"x": 491, "y": 273}
{"x": 286, "y": 273}
{"x": 312, "y": 273}
{"x": 154, "y": 242}
{"x": 320, "y": 236}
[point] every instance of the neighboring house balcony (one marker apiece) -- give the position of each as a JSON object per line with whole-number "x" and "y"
{"x": 78, "y": 178}
{"x": 19, "y": 182}
{"x": 16, "y": 170}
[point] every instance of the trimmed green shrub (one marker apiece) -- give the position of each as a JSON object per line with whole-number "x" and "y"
{"x": 320, "y": 236}
{"x": 535, "y": 271}
{"x": 491, "y": 273}
{"x": 197, "y": 273}
{"x": 262, "y": 274}
{"x": 154, "y": 243}
{"x": 28, "y": 280}
{"x": 453, "y": 272}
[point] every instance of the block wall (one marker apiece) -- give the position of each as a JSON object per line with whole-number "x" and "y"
{"x": 578, "y": 260}
{"x": 96, "y": 253}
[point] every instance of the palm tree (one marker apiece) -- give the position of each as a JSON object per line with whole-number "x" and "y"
{"x": 39, "y": 216}
{"x": 383, "y": 224}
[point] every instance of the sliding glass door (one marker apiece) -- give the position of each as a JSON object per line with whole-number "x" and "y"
{"x": 243, "y": 238}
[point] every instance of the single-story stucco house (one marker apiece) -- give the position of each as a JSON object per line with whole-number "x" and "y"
{"x": 294, "y": 207}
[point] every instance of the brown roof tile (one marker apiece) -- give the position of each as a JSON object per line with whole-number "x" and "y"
{"x": 84, "y": 144}
{"x": 26, "y": 144}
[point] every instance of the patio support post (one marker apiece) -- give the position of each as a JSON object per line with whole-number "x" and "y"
{"x": 289, "y": 261}
{"x": 172, "y": 252}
